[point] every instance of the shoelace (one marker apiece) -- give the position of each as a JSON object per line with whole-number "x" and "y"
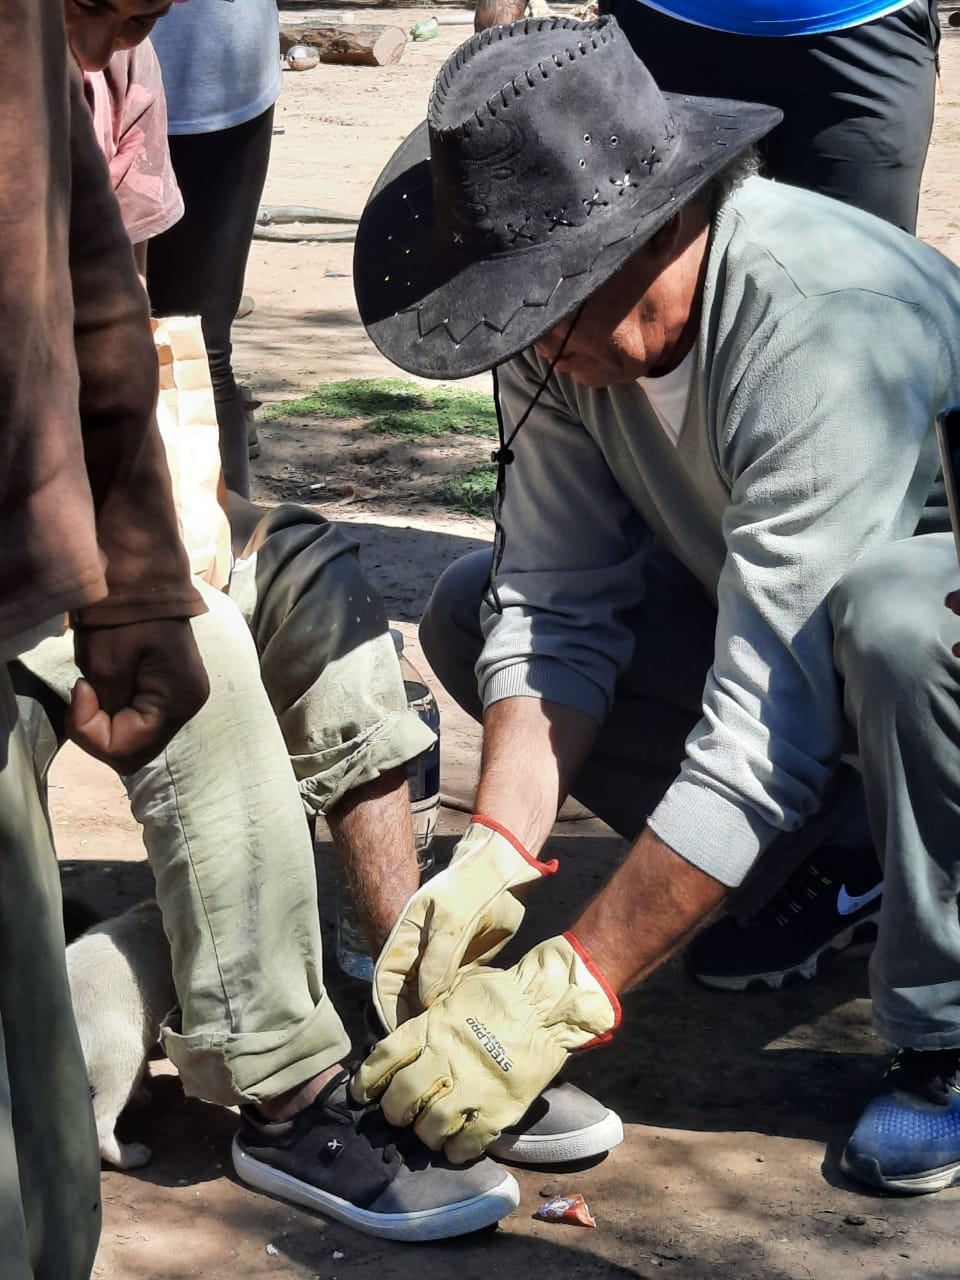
{"x": 803, "y": 887}
{"x": 932, "y": 1074}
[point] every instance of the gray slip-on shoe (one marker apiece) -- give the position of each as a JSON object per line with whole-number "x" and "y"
{"x": 345, "y": 1161}
{"x": 563, "y": 1124}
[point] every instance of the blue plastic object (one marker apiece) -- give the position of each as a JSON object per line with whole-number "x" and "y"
{"x": 776, "y": 17}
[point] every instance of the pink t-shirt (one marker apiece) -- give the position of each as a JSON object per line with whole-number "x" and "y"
{"x": 130, "y": 120}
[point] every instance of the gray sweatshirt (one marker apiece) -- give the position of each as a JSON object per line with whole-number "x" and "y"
{"x": 828, "y": 342}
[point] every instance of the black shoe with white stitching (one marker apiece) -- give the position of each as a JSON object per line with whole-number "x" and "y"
{"x": 829, "y": 903}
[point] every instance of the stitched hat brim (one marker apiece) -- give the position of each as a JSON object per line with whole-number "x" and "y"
{"x": 436, "y": 311}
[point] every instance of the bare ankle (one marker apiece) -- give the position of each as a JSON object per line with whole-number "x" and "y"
{"x": 286, "y": 1105}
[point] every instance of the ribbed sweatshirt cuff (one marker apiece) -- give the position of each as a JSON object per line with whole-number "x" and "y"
{"x": 547, "y": 679}
{"x": 710, "y": 832}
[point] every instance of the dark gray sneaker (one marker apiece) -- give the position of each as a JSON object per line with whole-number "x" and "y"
{"x": 563, "y": 1124}
{"x": 345, "y": 1161}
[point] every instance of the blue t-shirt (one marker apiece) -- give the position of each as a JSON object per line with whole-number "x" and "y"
{"x": 777, "y": 17}
{"x": 220, "y": 62}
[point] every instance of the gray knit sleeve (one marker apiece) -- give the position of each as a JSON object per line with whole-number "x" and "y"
{"x": 573, "y": 560}
{"x": 825, "y": 437}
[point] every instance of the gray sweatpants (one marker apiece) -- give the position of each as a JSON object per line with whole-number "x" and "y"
{"x": 901, "y": 690}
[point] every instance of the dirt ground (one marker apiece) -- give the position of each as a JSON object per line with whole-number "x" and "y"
{"x": 736, "y": 1107}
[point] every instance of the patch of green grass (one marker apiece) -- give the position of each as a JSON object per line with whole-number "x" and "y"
{"x": 395, "y": 406}
{"x": 471, "y": 492}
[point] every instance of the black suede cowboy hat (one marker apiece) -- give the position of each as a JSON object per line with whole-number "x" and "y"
{"x": 548, "y": 157}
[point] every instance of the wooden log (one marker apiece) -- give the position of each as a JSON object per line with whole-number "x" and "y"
{"x": 353, "y": 45}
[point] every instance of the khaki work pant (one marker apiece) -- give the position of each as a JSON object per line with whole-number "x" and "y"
{"x": 302, "y": 671}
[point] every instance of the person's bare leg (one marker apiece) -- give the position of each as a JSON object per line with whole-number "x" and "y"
{"x": 286, "y": 1105}
{"x": 372, "y": 833}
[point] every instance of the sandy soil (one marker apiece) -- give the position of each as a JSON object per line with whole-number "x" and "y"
{"x": 736, "y": 1108}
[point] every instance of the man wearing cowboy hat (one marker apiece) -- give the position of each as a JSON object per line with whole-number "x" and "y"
{"x": 716, "y": 399}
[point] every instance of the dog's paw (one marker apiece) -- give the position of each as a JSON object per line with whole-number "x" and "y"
{"x": 125, "y": 1155}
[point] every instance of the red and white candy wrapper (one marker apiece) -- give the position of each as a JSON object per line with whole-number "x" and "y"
{"x": 572, "y": 1209}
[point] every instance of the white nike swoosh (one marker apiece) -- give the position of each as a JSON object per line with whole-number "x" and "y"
{"x": 847, "y": 905}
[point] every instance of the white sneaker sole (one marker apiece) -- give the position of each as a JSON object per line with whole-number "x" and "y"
{"x": 559, "y": 1148}
{"x": 422, "y": 1224}
{"x": 866, "y": 1170}
{"x": 775, "y": 979}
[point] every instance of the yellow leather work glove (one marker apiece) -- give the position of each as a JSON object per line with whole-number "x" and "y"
{"x": 465, "y": 915}
{"x": 476, "y": 1059}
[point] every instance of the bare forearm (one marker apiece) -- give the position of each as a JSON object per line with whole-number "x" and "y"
{"x": 649, "y": 908}
{"x": 532, "y": 751}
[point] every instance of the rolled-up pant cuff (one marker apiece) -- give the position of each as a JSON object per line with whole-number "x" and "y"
{"x": 324, "y": 778}
{"x": 253, "y": 1067}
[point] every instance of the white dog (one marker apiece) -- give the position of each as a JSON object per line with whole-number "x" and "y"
{"x": 121, "y": 983}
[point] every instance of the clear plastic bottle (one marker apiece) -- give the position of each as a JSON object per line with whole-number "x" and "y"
{"x": 428, "y": 29}
{"x": 423, "y": 776}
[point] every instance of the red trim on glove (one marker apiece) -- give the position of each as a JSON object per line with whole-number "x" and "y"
{"x": 608, "y": 991}
{"x": 545, "y": 868}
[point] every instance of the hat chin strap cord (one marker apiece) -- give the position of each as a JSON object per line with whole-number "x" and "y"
{"x": 504, "y": 455}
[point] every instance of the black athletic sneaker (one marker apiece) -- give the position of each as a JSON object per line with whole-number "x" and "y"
{"x": 831, "y": 901}
{"x": 345, "y": 1161}
{"x": 908, "y": 1138}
